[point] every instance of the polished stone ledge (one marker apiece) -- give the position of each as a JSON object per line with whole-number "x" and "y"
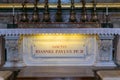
{"x": 31, "y": 31}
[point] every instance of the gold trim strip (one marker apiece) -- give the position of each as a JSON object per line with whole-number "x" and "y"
{"x": 77, "y": 5}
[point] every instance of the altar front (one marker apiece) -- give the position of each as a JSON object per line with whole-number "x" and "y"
{"x": 59, "y": 47}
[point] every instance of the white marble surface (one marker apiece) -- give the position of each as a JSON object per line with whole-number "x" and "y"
{"x": 88, "y": 60}
{"x": 31, "y": 31}
{"x": 12, "y": 39}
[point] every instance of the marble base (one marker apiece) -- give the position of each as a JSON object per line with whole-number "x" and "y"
{"x": 105, "y": 64}
{"x": 14, "y": 64}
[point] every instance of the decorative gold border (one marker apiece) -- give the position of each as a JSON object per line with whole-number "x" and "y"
{"x": 77, "y": 5}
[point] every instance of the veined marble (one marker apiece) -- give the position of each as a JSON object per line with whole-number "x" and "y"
{"x": 98, "y": 53}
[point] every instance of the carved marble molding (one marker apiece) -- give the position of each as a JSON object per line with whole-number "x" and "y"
{"x": 14, "y": 57}
{"x": 31, "y": 31}
{"x": 105, "y": 51}
{"x": 12, "y": 50}
{"x": 31, "y": 46}
{"x": 105, "y": 55}
{"x": 15, "y": 42}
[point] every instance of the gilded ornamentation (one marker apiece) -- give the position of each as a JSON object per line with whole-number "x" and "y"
{"x": 59, "y": 12}
{"x": 46, "y": 16}
{"x": 94, "y": 17}
{"x": 35, "y": 16}
{"x": 72, "y": 12}
{"x": 24, "y": 16}
{"x": 84, "y": 12}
